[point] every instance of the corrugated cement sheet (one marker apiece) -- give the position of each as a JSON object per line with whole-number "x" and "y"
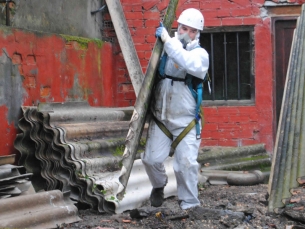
{"x": 13, "y": 181}
{"x": 78, "y": 148}
{"x": 289, "y": 156}
{"x": 40, "y": 210}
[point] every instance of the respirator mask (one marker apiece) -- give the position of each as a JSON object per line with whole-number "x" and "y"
{"x": 185, "y": 38}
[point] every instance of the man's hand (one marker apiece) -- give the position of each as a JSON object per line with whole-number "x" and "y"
{"x": 162, "y": 33}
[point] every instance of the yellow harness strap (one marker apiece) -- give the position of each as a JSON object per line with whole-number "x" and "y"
{"x": 170, "y": 136}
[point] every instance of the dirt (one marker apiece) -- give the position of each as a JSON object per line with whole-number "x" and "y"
{"x": 222, "y": 206}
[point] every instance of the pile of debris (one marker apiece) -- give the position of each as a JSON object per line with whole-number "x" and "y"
{"x": 14, "y": 180}
{"x": 21, "y": 207}
{"x": 295, "y": 205}
{"x": 75, "y": 147}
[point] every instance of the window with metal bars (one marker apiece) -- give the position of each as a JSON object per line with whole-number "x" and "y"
{"x": 231, "y": 63}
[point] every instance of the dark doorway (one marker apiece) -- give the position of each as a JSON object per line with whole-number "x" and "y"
{"x": 283, "y": 35}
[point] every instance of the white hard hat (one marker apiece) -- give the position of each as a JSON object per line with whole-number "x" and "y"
{"x": 192, "y": 17}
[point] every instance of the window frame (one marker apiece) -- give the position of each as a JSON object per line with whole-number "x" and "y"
{"x": 247, "y": 102}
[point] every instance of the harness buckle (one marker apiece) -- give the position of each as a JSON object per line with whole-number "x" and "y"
{"x": 198, "y": 136}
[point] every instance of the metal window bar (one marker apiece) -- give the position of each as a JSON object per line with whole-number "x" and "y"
{"x": 212, "y": 62}
{"x": 7, "y": 11}
{"x": 7, "y": 14}
{"x": 238, "y": 69}
{"x": 251, "y": 76}
{"x": 225, "y": 80}
{"x": 225, "y": 89}
{"x": 226, "y": 60}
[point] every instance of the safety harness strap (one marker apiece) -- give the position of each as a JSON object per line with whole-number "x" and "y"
{"x": 163, "y": 128}
{"x": 170, "y": 136}
{"x": 181, "y": 136}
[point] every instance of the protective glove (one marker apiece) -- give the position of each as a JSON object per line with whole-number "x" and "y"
{"x": 193, "y": 44}
{"x": 162, "y": 33}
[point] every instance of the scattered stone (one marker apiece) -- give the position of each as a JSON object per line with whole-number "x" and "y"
{"x": 222, "y": 207}
{"x": 139, "y": 213}
{"x": 200, "y": 213}
{"x": 178, "y": 217}
{"x": 297, "y": 215}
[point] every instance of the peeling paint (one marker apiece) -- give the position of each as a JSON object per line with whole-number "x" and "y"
{"x": 278, "y": 2}
{"x": 269, "y": 3}
{"x": 263, "y": 13}
{"x": 12, "y": 92}
{"x": 36, "y": 67}
{"x": 76, "y": 93}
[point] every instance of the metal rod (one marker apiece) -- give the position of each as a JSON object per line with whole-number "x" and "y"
{"x": 100, "y": 9}
{"x": 226, "y": 73}
{"x": 212, "y": 70}
{"x": 238, "y": 67}
{"x": 7, "y": 13}
{"x": 251, "y": 75}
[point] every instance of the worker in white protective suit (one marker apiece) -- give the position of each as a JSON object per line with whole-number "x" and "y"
{"x": 175, "y": 108}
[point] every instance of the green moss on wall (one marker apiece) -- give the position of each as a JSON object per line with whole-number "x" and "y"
{"x": 98, "y": 42}
{"x": 253, "y": 158}
{"x": 82, "y": 41}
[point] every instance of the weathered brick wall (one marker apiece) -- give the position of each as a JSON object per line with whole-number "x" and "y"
{"x": 46, "y": 68}
{"x": 38, "y": 67}
{"x": 225, "y": 126}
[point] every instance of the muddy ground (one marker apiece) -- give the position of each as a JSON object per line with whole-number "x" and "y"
{"x": 222, "y": 206}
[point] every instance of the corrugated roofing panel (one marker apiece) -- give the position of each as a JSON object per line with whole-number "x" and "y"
{"x": 13, "y": 181}
{"x": 79, "y": 148}
{"x": 40, "y": 210}
{"x": 289, "y": 156}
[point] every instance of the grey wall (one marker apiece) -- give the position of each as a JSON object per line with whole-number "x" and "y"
{"x": 71, "y": 17}
{"x": 11, "y": 90}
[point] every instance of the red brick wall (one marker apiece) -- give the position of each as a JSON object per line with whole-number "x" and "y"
{"x": 54, "y": 70}
{"x": 225, "y": 126}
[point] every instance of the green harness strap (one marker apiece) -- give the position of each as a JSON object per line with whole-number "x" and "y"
{"x": 170, "y": 136}
{"x": 163, "y": 128}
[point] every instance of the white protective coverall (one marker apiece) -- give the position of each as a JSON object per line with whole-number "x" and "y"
{"x": 175, "y": 108}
